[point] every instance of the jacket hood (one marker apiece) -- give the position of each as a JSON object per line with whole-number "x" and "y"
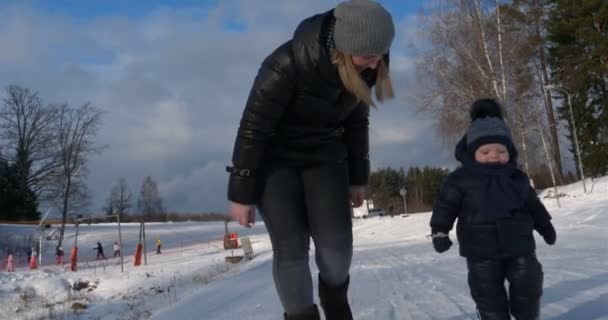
{"x": 463, "y": 154}
{"x": 309, "y": 49}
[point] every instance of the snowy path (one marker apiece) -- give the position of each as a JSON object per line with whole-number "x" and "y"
{"x": 397, "y": 275}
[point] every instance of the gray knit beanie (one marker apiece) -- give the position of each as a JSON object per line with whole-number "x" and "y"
{"x": 363, "y": 27}
{"x": 488, "y": 126}
{"x": 490, "y": 129}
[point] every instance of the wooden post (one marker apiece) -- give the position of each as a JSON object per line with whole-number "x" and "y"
{"x": 122, "y": 268}
{"x": 143, "y": 223}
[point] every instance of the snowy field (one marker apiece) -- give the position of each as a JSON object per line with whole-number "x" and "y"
{"x": 395, "y": 272}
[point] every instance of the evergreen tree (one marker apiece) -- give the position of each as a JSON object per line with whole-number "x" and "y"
{"x": 422, "y": 187}
{"x": 14, "y": 205}
{"x": 578, "y": 36}
{"x": 384, "y": 187}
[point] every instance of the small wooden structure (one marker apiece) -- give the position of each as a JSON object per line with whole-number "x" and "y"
{"x": 247, "y": 248}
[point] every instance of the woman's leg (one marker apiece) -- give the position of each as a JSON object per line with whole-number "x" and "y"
{"x": 487, "y": 285}
{"x": 329, "y": 214}
{"x": 525, "y": 276}
{"x": 283, "y": 209}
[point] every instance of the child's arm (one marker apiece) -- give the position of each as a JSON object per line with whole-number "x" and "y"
{"x": 445, "y": 212}
{"x": 542, "y": 218}
{"x": 446, "y": 208}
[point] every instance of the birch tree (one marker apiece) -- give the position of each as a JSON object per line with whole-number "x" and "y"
{"x": 479, "y": 48}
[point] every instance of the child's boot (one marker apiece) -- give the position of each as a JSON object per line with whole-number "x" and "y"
{"x": 525, "y": 277}
{"x": 311, "y": 313}
{"x": 485, "y": 315}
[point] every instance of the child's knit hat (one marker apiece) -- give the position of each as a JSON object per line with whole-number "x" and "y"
{"x": 488, "y": 126}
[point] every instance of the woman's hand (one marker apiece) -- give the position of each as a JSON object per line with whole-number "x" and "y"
{"x": 244, "y": 214}
{"x": 357, "y": 195}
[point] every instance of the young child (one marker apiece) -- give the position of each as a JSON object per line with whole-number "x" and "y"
{"x": 33, "y": 259}
{"x": 158, "y": 245}
{"x": 9, "y": 262}
{"x": 59, "y": 255}
{"x": 497, "y": 211}
{"x": 116, "y": 248}
{"x": 100, "y": 255}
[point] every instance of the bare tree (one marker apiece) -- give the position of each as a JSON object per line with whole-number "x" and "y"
{"x": 479, "y": 48}
{"x": 459, "y": 66}
{"x": 75, "y": 133}
{"x": 120, "y": 199}
{"x": 28, "y": 132}
{"x": 149, "y": 203}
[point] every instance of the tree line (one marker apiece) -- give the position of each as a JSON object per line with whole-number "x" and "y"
{"x": 393, "y": 190}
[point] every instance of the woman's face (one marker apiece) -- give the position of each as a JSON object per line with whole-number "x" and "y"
{"x": 365, "y": 62}
{"x": 492, "y": 153}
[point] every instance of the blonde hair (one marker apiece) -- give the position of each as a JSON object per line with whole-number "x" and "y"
{"x": 352, "y": 81}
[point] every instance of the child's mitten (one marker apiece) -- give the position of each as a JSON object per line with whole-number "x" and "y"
{"x": 548, "y": 233}
{"x": 441, "y": 241}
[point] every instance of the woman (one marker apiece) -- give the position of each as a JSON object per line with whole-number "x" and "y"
{"x": 301, "y": 152}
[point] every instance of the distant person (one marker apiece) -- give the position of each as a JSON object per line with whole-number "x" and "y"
{"x": 99, "y": 249}
{"x": 9, "y": 262}
{"x": 29, "y": 255}
{"x": 59, "y": 255}
{"x": 33, "y": 259}
{"x": 497, "y": 210}
{"x": 116, "y": 248}
{"x": 158, "y": 245}
{"x": 302, "y": 149}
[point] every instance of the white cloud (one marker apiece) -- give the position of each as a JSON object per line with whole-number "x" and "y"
{"x": 404, "y": 64}
{"x": 197, "y": 187}
{"x": 164, "y": 131}
{"x": 392, "y": 134}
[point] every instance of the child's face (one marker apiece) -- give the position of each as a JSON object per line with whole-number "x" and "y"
{"x": 492, "y": 153}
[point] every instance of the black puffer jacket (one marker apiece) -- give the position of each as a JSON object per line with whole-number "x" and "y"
{"x": 480, "y": 234}
{"x": 298, "y": 112}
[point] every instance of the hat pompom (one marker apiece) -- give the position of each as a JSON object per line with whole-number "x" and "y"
{"x": 486, "y": 108}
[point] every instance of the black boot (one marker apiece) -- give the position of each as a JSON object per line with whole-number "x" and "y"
{"x": 492, "y": 316}
{"x": 310, "y": 314}
{"x": 334, "y": 301}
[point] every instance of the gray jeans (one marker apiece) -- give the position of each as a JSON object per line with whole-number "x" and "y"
{"x": 297, "y": 204}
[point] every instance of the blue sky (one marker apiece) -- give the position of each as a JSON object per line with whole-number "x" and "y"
{"x": 141, "y": 8}
{"x": 172, "y": 78}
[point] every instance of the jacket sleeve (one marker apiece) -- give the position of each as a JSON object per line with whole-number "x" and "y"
{"x": 356, "y": 135}
{"x": 541, "y": 216}
{"x": 271, "y": 92}
{"x": 447, "y": 206}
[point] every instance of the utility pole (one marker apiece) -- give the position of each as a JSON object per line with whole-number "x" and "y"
{"x": 40, "y": 227}
{"x": 403, "y": 193}
{"x": 576, "y": 145}
{"x": 117, "y": 215}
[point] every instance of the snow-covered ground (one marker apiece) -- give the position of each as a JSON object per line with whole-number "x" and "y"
{"x": 395, "y": 272}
